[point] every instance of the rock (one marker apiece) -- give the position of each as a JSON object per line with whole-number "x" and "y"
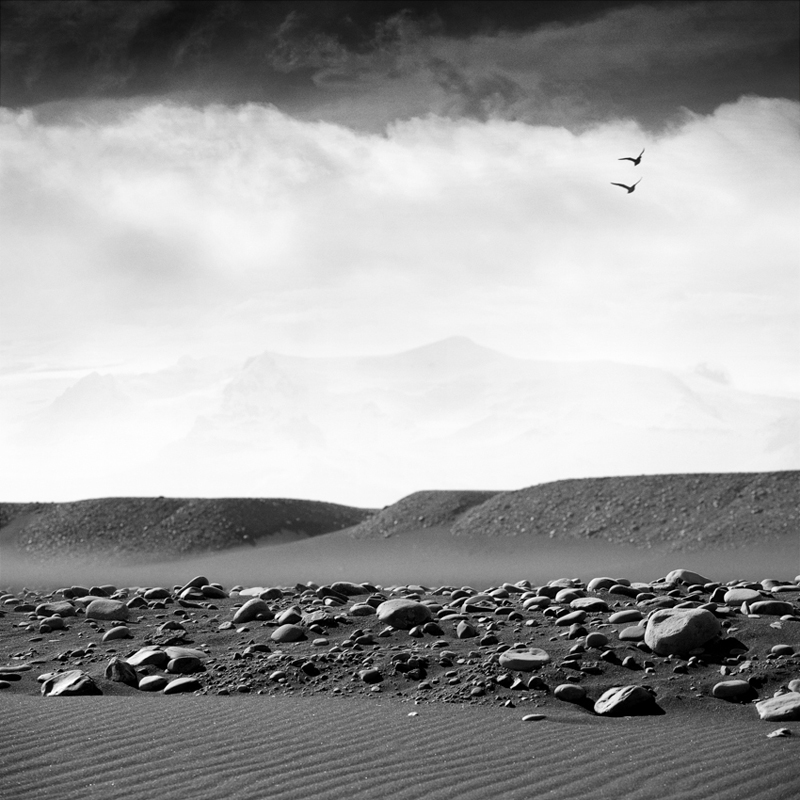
{"x": 635, "y": 633}
{"x": 781, "y": 708}
{"x": 465, "y": 630}
{"x": 152, "y": 683}
{"x": 322, "y": 618}
{"x": 213, "y": 592}
{"x": 772, "y": 608}
{"x": 361, "y": 610}
{"x": 71, "y": 683}
{"x": 370, "y": 675}
{"x": 253, "y": 609}
{"x": 732, "y": 690}
{"x": 290, "y": 616}
{"x": 180, "y": 652}
{"x": 194, "y": 583}
{"x": 686, "y": 576}
{"x": 121, "y": 671}
{"x": 533, "y": 717}
{"x": 735, "y": 597}
{"x": 348, "y": 589}
{"x": 626, "y": 701}
{"x": 778, "y": 733}
{"x": 677, "y": 631}
{"x": 626, "y": 616}
{"x": 149, "y": 657}
{"x": 184, "y": 664}
{"x": 105, "y": 608}
{"x": 157, "y": 593}
{"x": 591, "y": 605}
{"x": 597, "y": 584}
{"x": 794, "y": 685}
{"x": 61, "y": 607}
{"x": 596, "y": 639}
{"x": 288, "y": 633}
{"x": 180, "y": 685}
{"x": 571, "y": 618}
{"x": 403, "y": 614}
{"x": 524, "y": 660}
{"x": 782, "y": 650}
{"x": 117, "y": 632}
{"x": 569, "y": 692}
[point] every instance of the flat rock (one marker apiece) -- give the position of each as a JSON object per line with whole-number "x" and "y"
{"x": 403, "y": 614}
{"x": 106, "y": 608}
{"x": 180, "y": 685}
{"x": 152, "y": 683}
{"x": 149, "y": 656}
{"x": 771, "y": 608}
{"x": 781, "y": 708}
{"x": 61, "y": 607}
{"x": 117, "y": 632}
{"x": 524, "y": 660}
{"x": 626, "y": 616}
{"x": 626, "y": 701}
{"x": 592, "y": 605}
{"x": 69, "y": 684}
{"x": 677, "y": 631}
{"x": 735, "y": 597}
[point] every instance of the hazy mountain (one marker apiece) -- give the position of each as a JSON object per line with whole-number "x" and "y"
{"x": 451, "y": 415}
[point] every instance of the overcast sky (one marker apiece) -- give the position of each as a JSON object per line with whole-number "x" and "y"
{"x": 325, "y": 178}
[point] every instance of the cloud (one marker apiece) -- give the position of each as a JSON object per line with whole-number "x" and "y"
{"x": 231, "y": 230}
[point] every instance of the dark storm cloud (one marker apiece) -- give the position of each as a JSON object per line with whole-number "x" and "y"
{"x": 367, "y": 63}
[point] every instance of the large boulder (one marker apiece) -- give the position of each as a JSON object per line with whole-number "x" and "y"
{"x": 105, "y": 608}
{"x": 403, "y": 614}
{"x": 678, "y": 631}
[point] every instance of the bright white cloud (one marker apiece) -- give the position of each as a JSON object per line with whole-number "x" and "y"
{"x": 230, "y": 231}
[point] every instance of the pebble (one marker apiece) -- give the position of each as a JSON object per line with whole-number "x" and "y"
{"x": 628, "y": 615}
{"x": 152, "y": 683}
{"x": 635, "y": 633}
{"x": 686, "y": 576}
{"x": 596, "y": 639}
{"x": 772, "y": 608}
{"x": 288, "y": 633}
{"x": 569, "y": 692}
{"x": 361, "y": 610}
{"x": 117, "y": 632}
{"x": 180, "y": 685}
{"x": 533, "y": 717}
{"x": 149, "y": 656}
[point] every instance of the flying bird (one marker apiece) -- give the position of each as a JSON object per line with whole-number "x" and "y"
{"x": 629, "y": 188}
{"x": 635, "y": 160}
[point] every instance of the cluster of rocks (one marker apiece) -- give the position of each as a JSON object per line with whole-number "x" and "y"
{"x": 611, "y": 646}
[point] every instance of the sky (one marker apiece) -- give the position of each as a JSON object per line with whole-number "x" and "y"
{"x": 219, "y": 179}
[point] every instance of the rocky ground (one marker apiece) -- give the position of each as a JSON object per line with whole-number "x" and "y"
{"x": 611, "y": 646}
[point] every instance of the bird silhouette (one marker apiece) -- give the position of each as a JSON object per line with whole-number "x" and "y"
{"x": 629, "y": 188}
{"x": 635, "y": 160}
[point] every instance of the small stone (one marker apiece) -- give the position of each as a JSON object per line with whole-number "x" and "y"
{"x": 779, "y": 733}
{"x": 62, "y": 608}
{"x": 121, "y": 671}
{"x": 149, "y": 656}
{"x": 735, "y": 597}
{"x": 117, "y": 632}
{"x": 288, "y": 633}
{"x": 361, "y": 610}
{"x": 732, "y": 690}
{"x": 253, "y": 609}
{"x": 771, "y": 608}
{"x": 533, "y": 717}
{"x": 686, "y": 576}
{"x": 465, "y": 630}
{"x": 370, "y": 675}
{"x": 625, "y": 616}
{"x": 635, "y": 633}
{"x": 184, "y": 664}
{"x": 596, "y": 639}
{"x": 782, "y": 650}
{"x": 152, "y": 683}
{"x": 71, "y": 683}
{"x": 569, "y": 693}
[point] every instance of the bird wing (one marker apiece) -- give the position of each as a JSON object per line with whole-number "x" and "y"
{"x": 627, "y": 158}
{"x": 621, "y": 184}
{"x": 642, "y": 153}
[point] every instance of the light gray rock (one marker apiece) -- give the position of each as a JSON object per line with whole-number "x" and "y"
{"x": 361, "y": 610}
{"x": 69, "y": 684}
{"x": 403, "y": 614}
{"x": 735, "y": 597}
{"x": 524, "y": 660}
{"x": 347, "y": 588}
{"x": 152, "y": 683}
{"x": 686, "y": 576}
{"x": 569, "y": 692}
{"x": 149, "y": 656}
{"x": 677, "y": 631}
{"x": 253, "y": 609}
{"x": 180, "y": 685}
{"x": 626, "y": 701}
{"x": 592, "y": 605}
{"x": 288, "y": 633}
{"x": 732, "y": 689}
{"x": 61, "y": 607}
{"x": 107, "y": 609}
{"x": 117, "y": 632}
{"x": 781, "y": 708}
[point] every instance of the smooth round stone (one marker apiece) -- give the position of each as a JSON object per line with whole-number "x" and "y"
{"x": 782, "y": 708}
{"x": 4, "y": 684}
{"x": 213, "y": 592}
{"x": 253, "y": 609}
{"x": 107, "y": 609}
{"x": 361, "y": 610}
{"x": 55, "y": 623}
{"x": 524, "y": 660}
{"x": 370, "y": 675}
{"x": 782, "y": 650}
{"x": 591, "y": 605}
{"x": 61, "y": 607}
{"x": 735, "y": 597}
{"x": 403, "y": 614}
{"x": 195, "y": 583}
{"x": 348, "y": 589}
{"x": 117, "y": 632}
{"x": 626, "y": 701}
{"x": 184, "y": 664}
{"x": 794, "y": 685}
{"x": 568, "y": 595}
{"x": 625, "y": 591}
{"x": 686, "y": 576}
{"x": 569, "y": 693}
{"x": 626, "y": 616}
{"x": 598, "y": 584}
{"x": 571, "y": 618}
{"x": 772, "y": 608}
{"x": 152, "y": 683}
{"x": 539, "y": 601}
{"x": 180, "y": 685}
{"x": 288, "y": 633}
{"x": 149, "y": 657}
{"x": 596, "y": 639}
{"x": 673, "y": 631}
{"x": 730, "y": 690}
{"x": 157, "y": 593}
{"x": 635, "y": 633}
{"x": 533, "y": 717}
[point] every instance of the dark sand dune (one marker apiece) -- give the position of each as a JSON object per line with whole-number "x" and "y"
{"x": 282, "y": 747}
